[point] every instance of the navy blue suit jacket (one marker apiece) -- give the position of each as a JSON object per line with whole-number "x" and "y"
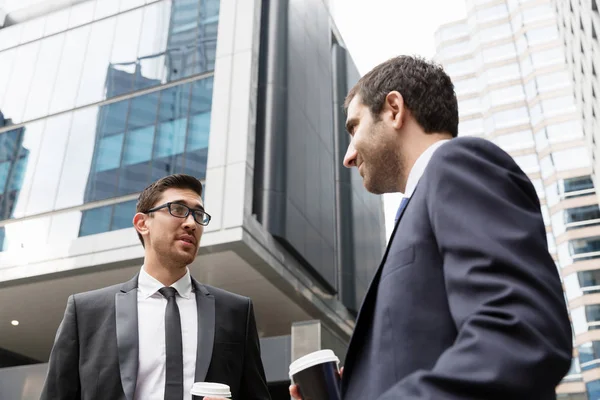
{"x": 467, "y": 302}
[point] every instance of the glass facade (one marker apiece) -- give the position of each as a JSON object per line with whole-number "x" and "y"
{"x": 105, "y": 97}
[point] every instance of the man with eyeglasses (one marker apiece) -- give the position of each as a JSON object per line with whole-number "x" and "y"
{"x": 154, "y": 336}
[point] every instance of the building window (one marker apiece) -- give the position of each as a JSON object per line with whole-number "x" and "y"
{"x": 582, "y": 216}
{"x": 593, "y": 389}
{"x": 107, "y": 218}
{"x": 585, "y": 249}
{"x": 573, "y": 187}
{"x": 589, "y": 355}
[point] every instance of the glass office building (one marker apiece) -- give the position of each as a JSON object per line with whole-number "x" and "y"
{"x": 98, "y": 98}
{"x": 507, "y": 61}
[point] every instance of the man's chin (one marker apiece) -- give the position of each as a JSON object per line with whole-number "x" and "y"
{"x": 371, "y": 188}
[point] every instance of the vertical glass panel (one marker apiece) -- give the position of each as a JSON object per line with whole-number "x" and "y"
{"x": 105, "y": 8}
{"x": 174, "y": 102}
{"x": 95, "y": 67}
{"x": 112, "y": 117}
{"x": 6, "y": 63}
{"x": 57, "y": 22}
{"x": 27, "y": 235}
{"x": 10, "y": 36}
{"x": 45, "y": 75}
{"x": 67, "y": 81}
{"x": 30, "y": 148}
{"x": 32, "y": 30}
{"x": 137, "y": 153}
{"x": 153, "y": 42}
{"x": 12, "y": 164}
{"x": 138, "y": 145}
{"x": 142, "y": 111}
{"x": 123, "y": 215}
{"x": 82, "y": 13}
{"x": 124, "y": 53}
{"x": 170, "y": 138}
{"x": 78, "y": 159}
{"x": 49, "y": 165}
{"x": 135, "y": 170}
{"x": 21, "y": 76}
{"x": 182, "y": 41}
{"x": 201, "y": 100}
{"x": 199, "y": 130}
{"x": 109, "y": 153}
{"x": 64, "y": 227}
{"x": 130, "y": 4}
{"x": 96, "y": 220}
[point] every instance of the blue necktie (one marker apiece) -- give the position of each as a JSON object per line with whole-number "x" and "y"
{"x": 402, "y": 206}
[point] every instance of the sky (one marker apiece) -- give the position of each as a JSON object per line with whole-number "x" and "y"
{"x": 377, "y": 30}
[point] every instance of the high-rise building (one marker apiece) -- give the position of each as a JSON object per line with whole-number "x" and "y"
{"x": 99, "y": 98}
{"x": 579, "y": 27}
{"x": 507, "y": 62}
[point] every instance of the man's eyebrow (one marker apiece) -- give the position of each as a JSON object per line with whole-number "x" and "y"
{"x": 350, "y": 124}
{"x": 195, "y": 206}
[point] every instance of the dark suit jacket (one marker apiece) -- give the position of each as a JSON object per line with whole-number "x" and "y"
{"x": 467, "y": 302}
{"x": 95, "y": 354}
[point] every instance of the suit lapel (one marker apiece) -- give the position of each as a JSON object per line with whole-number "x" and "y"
{"x": 366, "y": 308}
{"x": 127, "y": 335}
{"x": 205, "y": 303}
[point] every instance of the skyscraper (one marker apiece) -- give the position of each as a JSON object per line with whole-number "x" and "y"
{"x": 101, "y": 97}
{"x": 579, "y": 26}
{"x": 507, "y": 61}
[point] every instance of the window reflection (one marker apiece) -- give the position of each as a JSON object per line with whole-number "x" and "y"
{"x": 137, "y": 49}
{"x": 107, "y": 218}
{"x": 98, "y": 153}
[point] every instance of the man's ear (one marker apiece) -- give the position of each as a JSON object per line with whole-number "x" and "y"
{"x": 140, "y": 223}
{"x": 394, "y": 106}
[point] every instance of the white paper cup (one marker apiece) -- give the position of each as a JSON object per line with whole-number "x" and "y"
{"x": 317, "y": 375}
{"x": 210, "y": 389}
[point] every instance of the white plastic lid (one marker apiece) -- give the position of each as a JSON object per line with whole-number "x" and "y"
{"x": 312, "y": 359}
{"x": 210, "y": 389}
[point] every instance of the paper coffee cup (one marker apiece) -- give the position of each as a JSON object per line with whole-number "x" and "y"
{"x": 200, "y": 390}
{"x": 317, "y": 376}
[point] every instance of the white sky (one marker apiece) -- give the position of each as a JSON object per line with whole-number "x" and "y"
{"x": 377, "y": 30}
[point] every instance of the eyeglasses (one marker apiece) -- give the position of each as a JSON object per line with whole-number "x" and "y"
{"x": 182, "y": 211}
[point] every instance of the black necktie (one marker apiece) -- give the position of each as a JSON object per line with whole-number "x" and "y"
{"x": 174, "y": 362}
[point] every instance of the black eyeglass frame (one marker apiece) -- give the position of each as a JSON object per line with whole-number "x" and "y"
{"x": 189, "y": 210}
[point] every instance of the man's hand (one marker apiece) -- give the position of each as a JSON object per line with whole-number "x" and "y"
{"x": 294, "y": 388}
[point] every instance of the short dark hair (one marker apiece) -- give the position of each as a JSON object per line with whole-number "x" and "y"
{"x": 427, "y": 90}
{"x": 152, "y": 193}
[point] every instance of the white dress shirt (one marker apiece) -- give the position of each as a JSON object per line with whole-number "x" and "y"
{"x": 418, "y": 169}
{"x": 151, "y": 333}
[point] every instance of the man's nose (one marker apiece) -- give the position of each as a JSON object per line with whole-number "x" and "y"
{"x": 350, "y": 157}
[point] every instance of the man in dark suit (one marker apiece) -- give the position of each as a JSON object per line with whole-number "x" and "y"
{"x": 467, "y": 302}
{"x": 154, "y": 336}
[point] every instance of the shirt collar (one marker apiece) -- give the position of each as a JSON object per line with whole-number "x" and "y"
{"x": 148, "y": 285}
{"x": 419, "y": 168}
